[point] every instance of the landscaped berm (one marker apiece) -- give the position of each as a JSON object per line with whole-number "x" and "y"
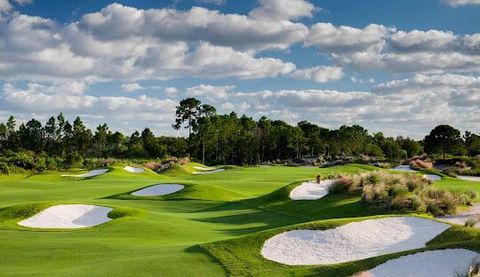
{"x": 345, "y": 220}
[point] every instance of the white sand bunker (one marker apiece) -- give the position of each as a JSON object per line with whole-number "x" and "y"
{"x": 157, "y": 190}
{"x": 462, "y": 217}
{"x": 209, "y": 172}
{"x": 437, "y": 263}
{"x": 311, "y": 190}
{"x": 134, "y": 169}
{"x": 204, "y": 168}
{"x": 68, "y": 216}
{"x": 89, "y": 174}
{"x": 432, "y": 177}
{"x": 405, "y": 168}
{"x": 351, "y": 242}
{"x": 469, "y": 178}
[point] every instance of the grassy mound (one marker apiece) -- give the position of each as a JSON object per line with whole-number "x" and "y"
{"x": 403, "y": 192}
{"x": 10, "y": 216}
{"x": 241, "y": 257}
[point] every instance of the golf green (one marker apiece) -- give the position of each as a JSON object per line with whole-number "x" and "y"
{"x": 162, "y": 235}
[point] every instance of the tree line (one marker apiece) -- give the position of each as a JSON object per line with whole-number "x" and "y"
{"x": 223, "y": 139}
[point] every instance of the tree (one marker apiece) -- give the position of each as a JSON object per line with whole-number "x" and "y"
{"x": 187, "y": 111}
{"x": 31, "y": 135}
{"x": 472, "y": 143}
{"x": 152, "y": 148}
{"x": 101, "y": 139}
{"x": 82, "y": 137}
{"x": 443, "y": 139}
{"x": 204, "y": 127}
{"x": 411, "y": 147}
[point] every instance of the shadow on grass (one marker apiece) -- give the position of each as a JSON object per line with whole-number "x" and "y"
{"x": 277, "y": 209}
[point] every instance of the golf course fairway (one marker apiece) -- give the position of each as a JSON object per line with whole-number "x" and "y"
{"x": 216, "y": 226}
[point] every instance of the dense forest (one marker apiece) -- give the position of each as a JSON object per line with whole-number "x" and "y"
{"x": 216, "y": 139}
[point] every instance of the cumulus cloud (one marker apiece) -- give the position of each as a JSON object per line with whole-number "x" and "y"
{"x": 212, "y": 93}
{"x": 125, "y": 113}
{"x": 131, "y": 87}
{"x": 198, "y": 43}
{"x": 377, "y": 47}
{"x": 213, "y": 2}
{"x": 398, "y": 107}
{"x": 282, "y": 9}
{"x": 116, "y": 22}
{"x": 319, "y": 74}
{"x": 345, "y": 38}
{"x": 170, "y": 91}
{"x": 5, "y": 6}
{"x": 458, "y": 3}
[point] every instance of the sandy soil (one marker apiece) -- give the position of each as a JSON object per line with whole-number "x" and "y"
{"x": 432, "y": 177}
{"x": 460, "y": 218}
{"x": 201, "y": 168}
{"x": 469, "y": 178}
{"x": 157, "y": 190}
{"x": 68, "y": 216}
{"x": 134, "y": 169}
{"x": 405, "y": 168}
{"x": 89, "y": 174}
{"x": 311, "y": 190}
{"x": 437, "y": 263}
{"x": 351, "y": 242}
{"x": 209, "y": 172}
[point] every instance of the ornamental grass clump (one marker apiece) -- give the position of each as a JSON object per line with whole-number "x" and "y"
{"x": 404, "y": 192}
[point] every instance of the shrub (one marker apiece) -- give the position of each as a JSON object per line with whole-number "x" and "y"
{"x": 404, "y": 192}
{"x": 4, "y": 168}
{"x": 340, "y": 185}
{"x": 471, "y": 222}
{"x": 418, "y": 204}
{"x": 434, "y": 209}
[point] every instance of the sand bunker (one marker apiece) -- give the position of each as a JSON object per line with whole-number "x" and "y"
{"x": 437, "y": 263}
{"x": 311, "y": 190}
{"x": 68, "y": 216}
{"x": 432, "y": 177}
{"x": 157, "y": 190}
{"x": 204, "y": 168}
{"x": 209, "y": 172}
{"x": 405, "y": 168}
{"x": 461, "y": 218}
{"x": 469, "y": 178}
{"x": 351, "y": 242}
{"x": 134, "y": 169}
{"x": 89, "y": 174}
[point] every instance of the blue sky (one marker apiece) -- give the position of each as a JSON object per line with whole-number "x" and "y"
{"x": 400, "y": 67}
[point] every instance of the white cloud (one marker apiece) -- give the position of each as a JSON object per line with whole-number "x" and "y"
{"x": 40, "y": 49}
{"x": 5, "y": 6}
{"x": 43, "y": 101}
{"x": 345, "y": 38}
{"x": 319, "y": 74}
{"x": 377, "y": 47}
{"x": 282, "y": 9}
{"x": 214, "y": 2}
{"x": 458, "y": 3}
{"x": 212, "y": 93}
{"x": 171, "y": 91}
{"x": 420, "y": 40}
{"x": 131, "y": 87}
{"x": 117, "y": 22}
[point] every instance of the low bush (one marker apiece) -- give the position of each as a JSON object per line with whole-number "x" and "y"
{"x": 406, "y": 192}
{"x": 471, "y": 222}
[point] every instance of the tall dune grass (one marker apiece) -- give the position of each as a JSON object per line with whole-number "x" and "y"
{"x": 406, "y": 192}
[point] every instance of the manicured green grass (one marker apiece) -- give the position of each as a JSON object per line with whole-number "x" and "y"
{"x": 154, "y": 236}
